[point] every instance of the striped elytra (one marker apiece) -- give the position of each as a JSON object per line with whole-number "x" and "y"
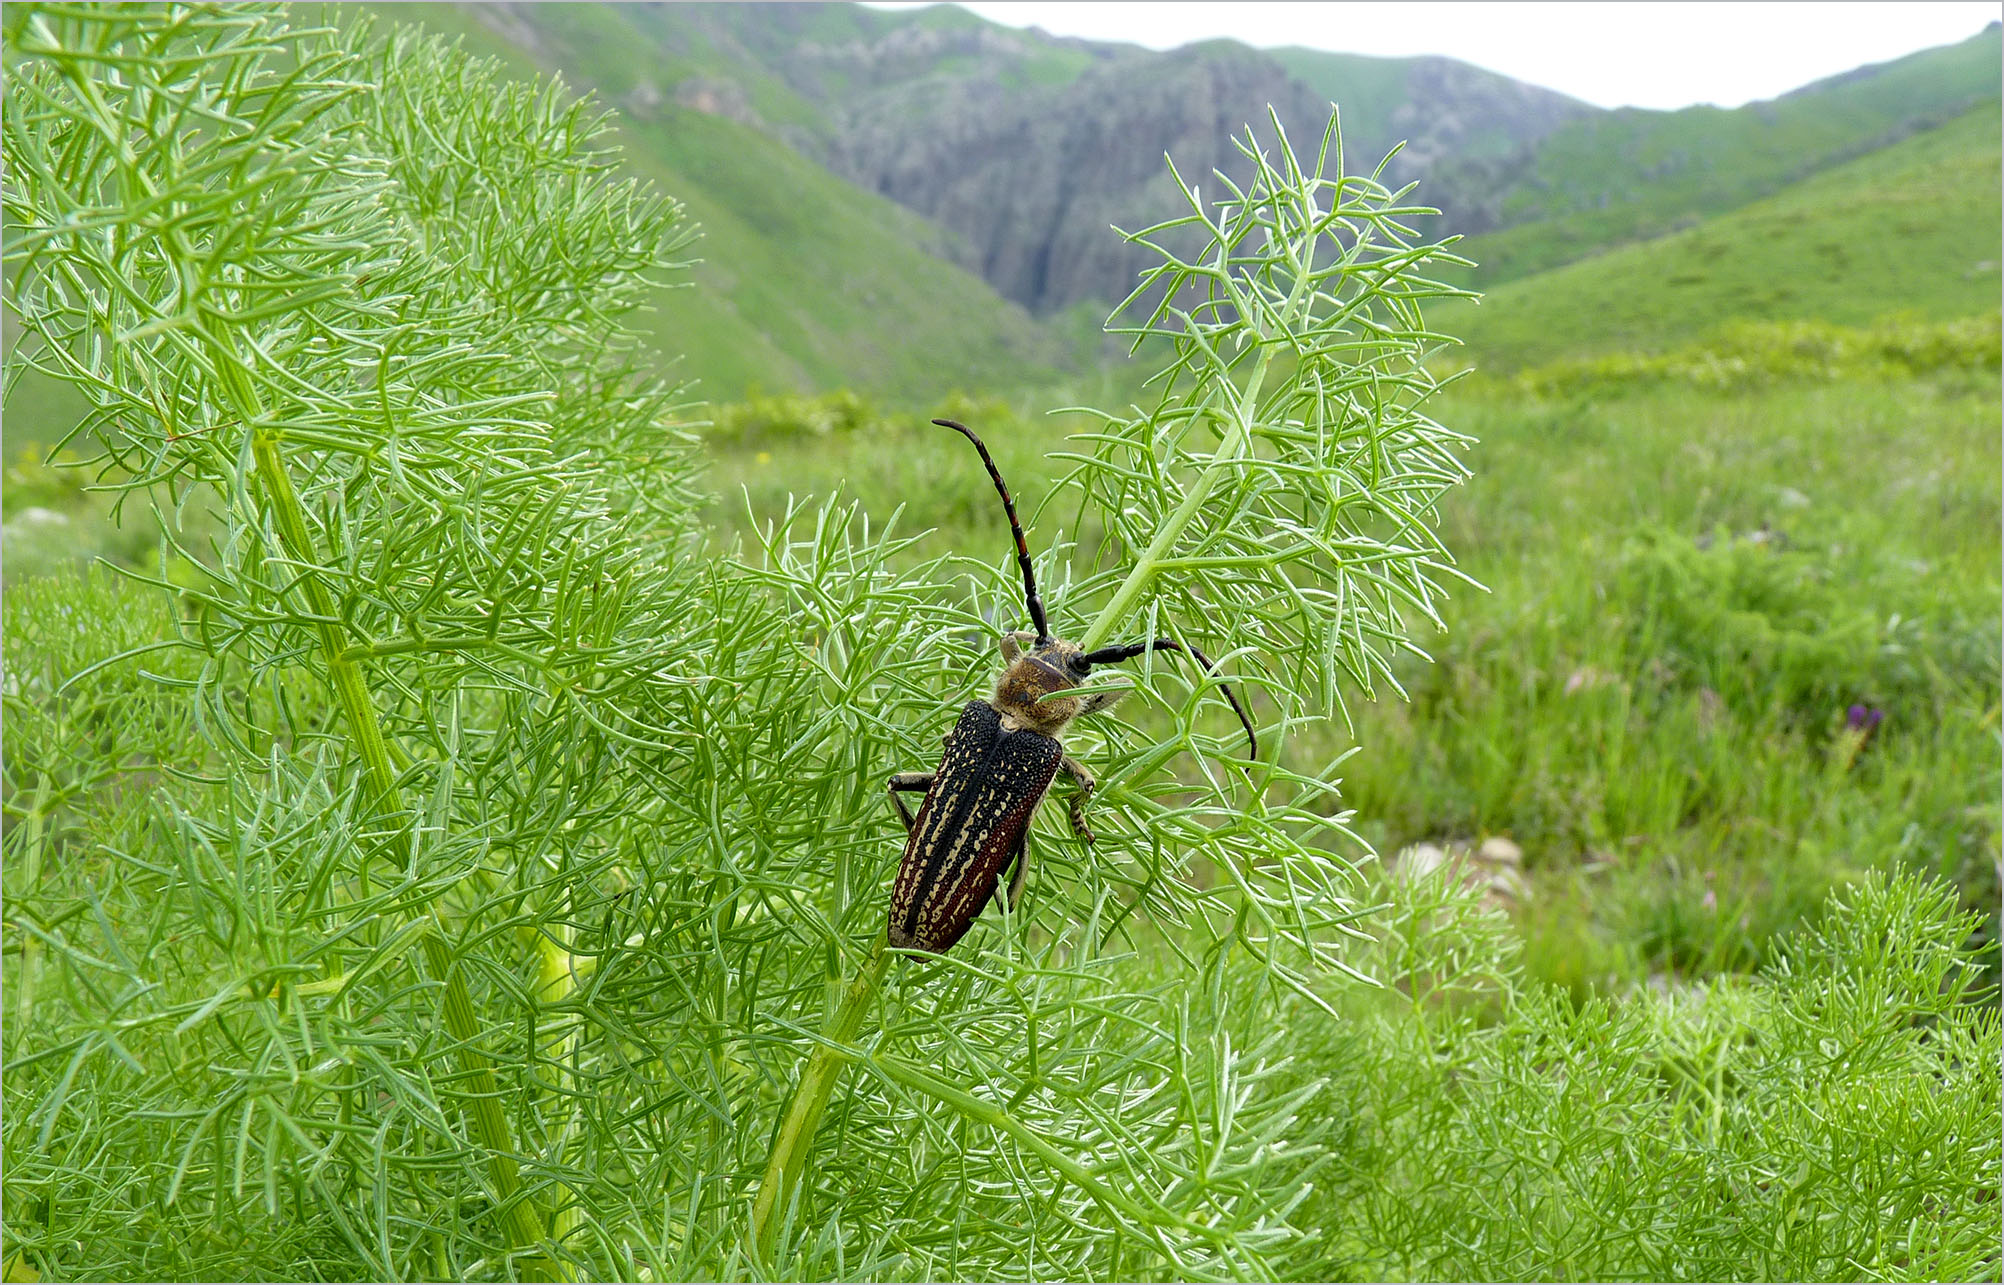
{"x": 971, "y": 823}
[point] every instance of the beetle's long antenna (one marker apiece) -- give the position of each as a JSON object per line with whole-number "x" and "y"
{"x": 1128, "y": 651}
{"x": 1030, "y": 597}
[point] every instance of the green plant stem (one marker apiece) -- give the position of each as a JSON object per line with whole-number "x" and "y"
{"x": 1149, "y": 565}
{"x": 810, "y": 1097}
{"x": 1152, "y": 560}
{"x": 31, "y": 946}
{"x": 817, "y": 1080}
{"x": 556, "y": 982}
{"x": 523, "y": 1221}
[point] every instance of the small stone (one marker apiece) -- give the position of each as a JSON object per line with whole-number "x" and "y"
{"x": 1418, "y": 860}
{"x": 1493, "y": 869}
{"x": 1507, "y": 888}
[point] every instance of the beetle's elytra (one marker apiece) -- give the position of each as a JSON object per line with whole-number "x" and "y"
{"x": 1000, "y": 759}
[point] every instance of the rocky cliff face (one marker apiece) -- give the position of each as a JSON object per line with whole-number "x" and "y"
{"x": 1464, "y": 129}
{"x": 1028, "y": 184}
{"x": 1022, "y": 148}
{"x": 1025, "y": 148}
{"x": 1450, "y": 110}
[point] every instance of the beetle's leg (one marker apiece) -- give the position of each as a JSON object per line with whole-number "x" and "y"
{"x": 1020, "y": 866}
{"x": 1083, "y": 780}
{"x": 906, "y": 782}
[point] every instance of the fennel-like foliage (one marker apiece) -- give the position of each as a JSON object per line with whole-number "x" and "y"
{"x": 446, "y": 871}
{"x": 513, "y": 843}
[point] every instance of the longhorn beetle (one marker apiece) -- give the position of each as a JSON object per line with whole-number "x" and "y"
{"x": 1000, "y": 759}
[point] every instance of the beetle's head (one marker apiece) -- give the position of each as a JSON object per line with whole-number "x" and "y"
{"x": 1032, "y": 688}
{"x": 1035, "y": 677}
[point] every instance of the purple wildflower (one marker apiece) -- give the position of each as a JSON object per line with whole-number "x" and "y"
{"x": 1863, "y": 718}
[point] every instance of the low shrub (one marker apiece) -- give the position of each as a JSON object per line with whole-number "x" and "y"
{"x": 1747, "y": 354}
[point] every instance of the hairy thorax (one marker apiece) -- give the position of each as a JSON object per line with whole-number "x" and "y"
{"x": 1026, "y": 693}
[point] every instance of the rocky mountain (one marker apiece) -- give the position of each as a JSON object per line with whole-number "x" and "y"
{"x": 890, "y": 199}
{"x": 1463, "y": 129}
{"x": 1024, "y": 147}
{"x": 1029, "y": 184}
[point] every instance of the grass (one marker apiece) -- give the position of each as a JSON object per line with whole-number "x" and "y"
{"x": 1688, "y": 586}
{"x": 1741, "y": 1129}
{"x": 290, "y": 999}
{"x": 1911, "y": 228}
{"x": 1688, "y": 589}
{"x": 1644, "y": 700}
{"x": 1754, "y": 354}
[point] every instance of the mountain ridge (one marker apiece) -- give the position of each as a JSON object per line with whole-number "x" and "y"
{"x": 1005, "y": 156}
{"x": 1910, "y": 229}
{"x": 1021, "y": 145}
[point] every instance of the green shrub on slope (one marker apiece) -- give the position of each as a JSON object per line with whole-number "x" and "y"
{"x": 1750, "y": 354}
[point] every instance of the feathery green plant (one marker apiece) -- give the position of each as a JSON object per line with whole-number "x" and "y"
{"x": 444, "y": 871}
{"x": 1281, "y": 489}
{"x": 1834, "y": 1116}
{"x": 296, "y": 278}
{"x": 513, "y": 849}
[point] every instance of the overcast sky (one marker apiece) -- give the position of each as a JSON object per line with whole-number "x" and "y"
{"x": 1610, "y": 54}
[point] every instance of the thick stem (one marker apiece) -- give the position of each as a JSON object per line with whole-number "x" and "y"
{"x": 810, "y": 1096}
{"x": 556, "y": 982}
{"x": 1149, "y": 565}
{"x": 523, "y": 1221}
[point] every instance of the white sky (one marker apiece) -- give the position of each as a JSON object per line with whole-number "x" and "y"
{"x": 1629, "y": 54}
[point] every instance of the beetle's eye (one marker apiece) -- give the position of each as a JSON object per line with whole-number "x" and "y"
{"x": 1079, "y": 666}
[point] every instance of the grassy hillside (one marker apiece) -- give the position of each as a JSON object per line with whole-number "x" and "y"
{"x": 1370, "y": 90}
{"x": 805, "y": 280}
{"x": 1614, "y": 177}
{"x": 1912, "y": 228}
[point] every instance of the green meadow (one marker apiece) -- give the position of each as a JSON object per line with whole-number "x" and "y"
{"x": 444, "y": 828}
{"x": 1683, "y": 590}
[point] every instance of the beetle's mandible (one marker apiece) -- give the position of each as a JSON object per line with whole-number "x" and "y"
{"x": 1000, "y": 759}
